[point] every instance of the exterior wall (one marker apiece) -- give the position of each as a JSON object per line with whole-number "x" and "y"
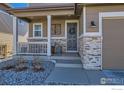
{"x": 81, "y": 24}
{"x": 60, "y": 42}
{"x": 44, "y": 24}
{"x": 80, "y": 48}
{"x": 23, "y": 29}
{"x": 92, "y": 14}
{"x": 92, "y": 52}
{"x": 92, "y": 45}
{"x": 7, "y": 39}
{"x": 58, "y": 39}
{"x": 6, "y": 31}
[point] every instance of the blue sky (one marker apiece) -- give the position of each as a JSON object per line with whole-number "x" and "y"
{"x": 18, "y": 5}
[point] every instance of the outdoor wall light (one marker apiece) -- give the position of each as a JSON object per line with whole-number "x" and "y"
{"x": 92, "y": 24}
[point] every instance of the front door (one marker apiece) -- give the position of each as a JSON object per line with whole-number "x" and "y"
{"x": 71, "y": 37}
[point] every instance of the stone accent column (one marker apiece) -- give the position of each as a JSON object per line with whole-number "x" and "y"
{"x": 49, "y": 35}
{"x": 92, "y": 52}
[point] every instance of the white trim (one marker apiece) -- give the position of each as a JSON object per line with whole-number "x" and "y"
{"x": 33, "y": 53}
{"x": 84, "y": 19}
{"x": 103, "y": 15}
{"x": 71, "y": 21}
{"x": 41, "y": 29}
{"x": 85, "y": 33}
{"x": 112, "y": 14}
{"x": 33, "y": 42}
{"x": 46, "y": 38}
{"x": 15, "y": 40}
{"x": 49, "y": 35}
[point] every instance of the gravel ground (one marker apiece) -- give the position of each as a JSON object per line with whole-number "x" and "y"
{"x": 27, "y": 77}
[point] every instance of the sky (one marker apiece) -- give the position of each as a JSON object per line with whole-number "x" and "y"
{"x": 18, "y": 5}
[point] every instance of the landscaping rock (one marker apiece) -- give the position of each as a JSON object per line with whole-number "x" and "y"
{"x": 24, "y": 77}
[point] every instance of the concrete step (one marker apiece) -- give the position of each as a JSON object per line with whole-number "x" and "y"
{"x": 69, "y": 63}
{"x": 74, "y": 61}
{"x": 62, "y": 65}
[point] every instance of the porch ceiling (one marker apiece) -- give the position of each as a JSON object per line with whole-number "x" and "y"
{"x": 28, "y": 12}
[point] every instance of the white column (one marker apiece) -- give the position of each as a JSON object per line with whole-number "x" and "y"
{"x": 15, "y": 39}
{"x": 84, "y": 20}
{"x": 49, "y": 35}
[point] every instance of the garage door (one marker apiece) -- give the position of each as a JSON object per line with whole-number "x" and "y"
{"x": 113, "y": 44}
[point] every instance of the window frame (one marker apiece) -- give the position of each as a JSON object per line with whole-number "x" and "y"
{"x": 39, "y": 31}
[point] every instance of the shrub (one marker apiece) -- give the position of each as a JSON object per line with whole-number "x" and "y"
{"x": 21, "y": 64}
{"x": 8, "y": 67}
{"x": 37, "y": 64}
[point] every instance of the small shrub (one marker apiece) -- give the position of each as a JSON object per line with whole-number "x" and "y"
{"x": 20, "y": 60}
{"x": 37, "y": 68}
{"x": 21, "y": 64}
{"x": 37, "y": 65}
{"x": 21, "y": 67}
{"x": 8, "y": 67}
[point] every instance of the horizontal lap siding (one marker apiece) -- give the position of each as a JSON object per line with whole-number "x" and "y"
{"x": 92, "y": 13}
{"x": 44, "y": 23}
{"x": 7, "y": 39}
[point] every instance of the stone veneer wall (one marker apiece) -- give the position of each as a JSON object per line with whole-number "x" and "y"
{"x": 80, "y": 47}
{"x": 61, "y": 42}
{"x": 90, "y": 52}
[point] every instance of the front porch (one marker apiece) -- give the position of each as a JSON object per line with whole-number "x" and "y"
{"x": 50, "y": 32}
{"x": 48, "y": 44}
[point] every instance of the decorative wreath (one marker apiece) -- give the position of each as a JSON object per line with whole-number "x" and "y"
{"x": 72, "y": 31}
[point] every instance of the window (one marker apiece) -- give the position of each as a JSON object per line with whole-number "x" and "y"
{"x": 37, "y": 29}
{"x": 56, "y": 29}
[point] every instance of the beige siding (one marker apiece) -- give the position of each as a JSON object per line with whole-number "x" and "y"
{"x": 44, "y": 23}
{"x": 81, "y": 24}
{"x": 6, "y": 31}
{"x": 7, "y": 39}
{"x": 93, "y": 14}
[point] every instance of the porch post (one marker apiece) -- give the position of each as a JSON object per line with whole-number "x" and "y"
{"x": 15, "y": 36}
{"x": 49, "y": 35}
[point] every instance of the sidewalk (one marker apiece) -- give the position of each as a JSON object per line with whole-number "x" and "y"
{"x": 75, "y": 76}
{"x": 79, "y": 76}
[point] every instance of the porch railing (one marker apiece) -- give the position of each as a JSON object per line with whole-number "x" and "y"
{"x": 32, "y": 48}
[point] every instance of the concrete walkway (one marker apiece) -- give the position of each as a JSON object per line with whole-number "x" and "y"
{"x": 75, "y": 76}
{"x": 83, "y": 77}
